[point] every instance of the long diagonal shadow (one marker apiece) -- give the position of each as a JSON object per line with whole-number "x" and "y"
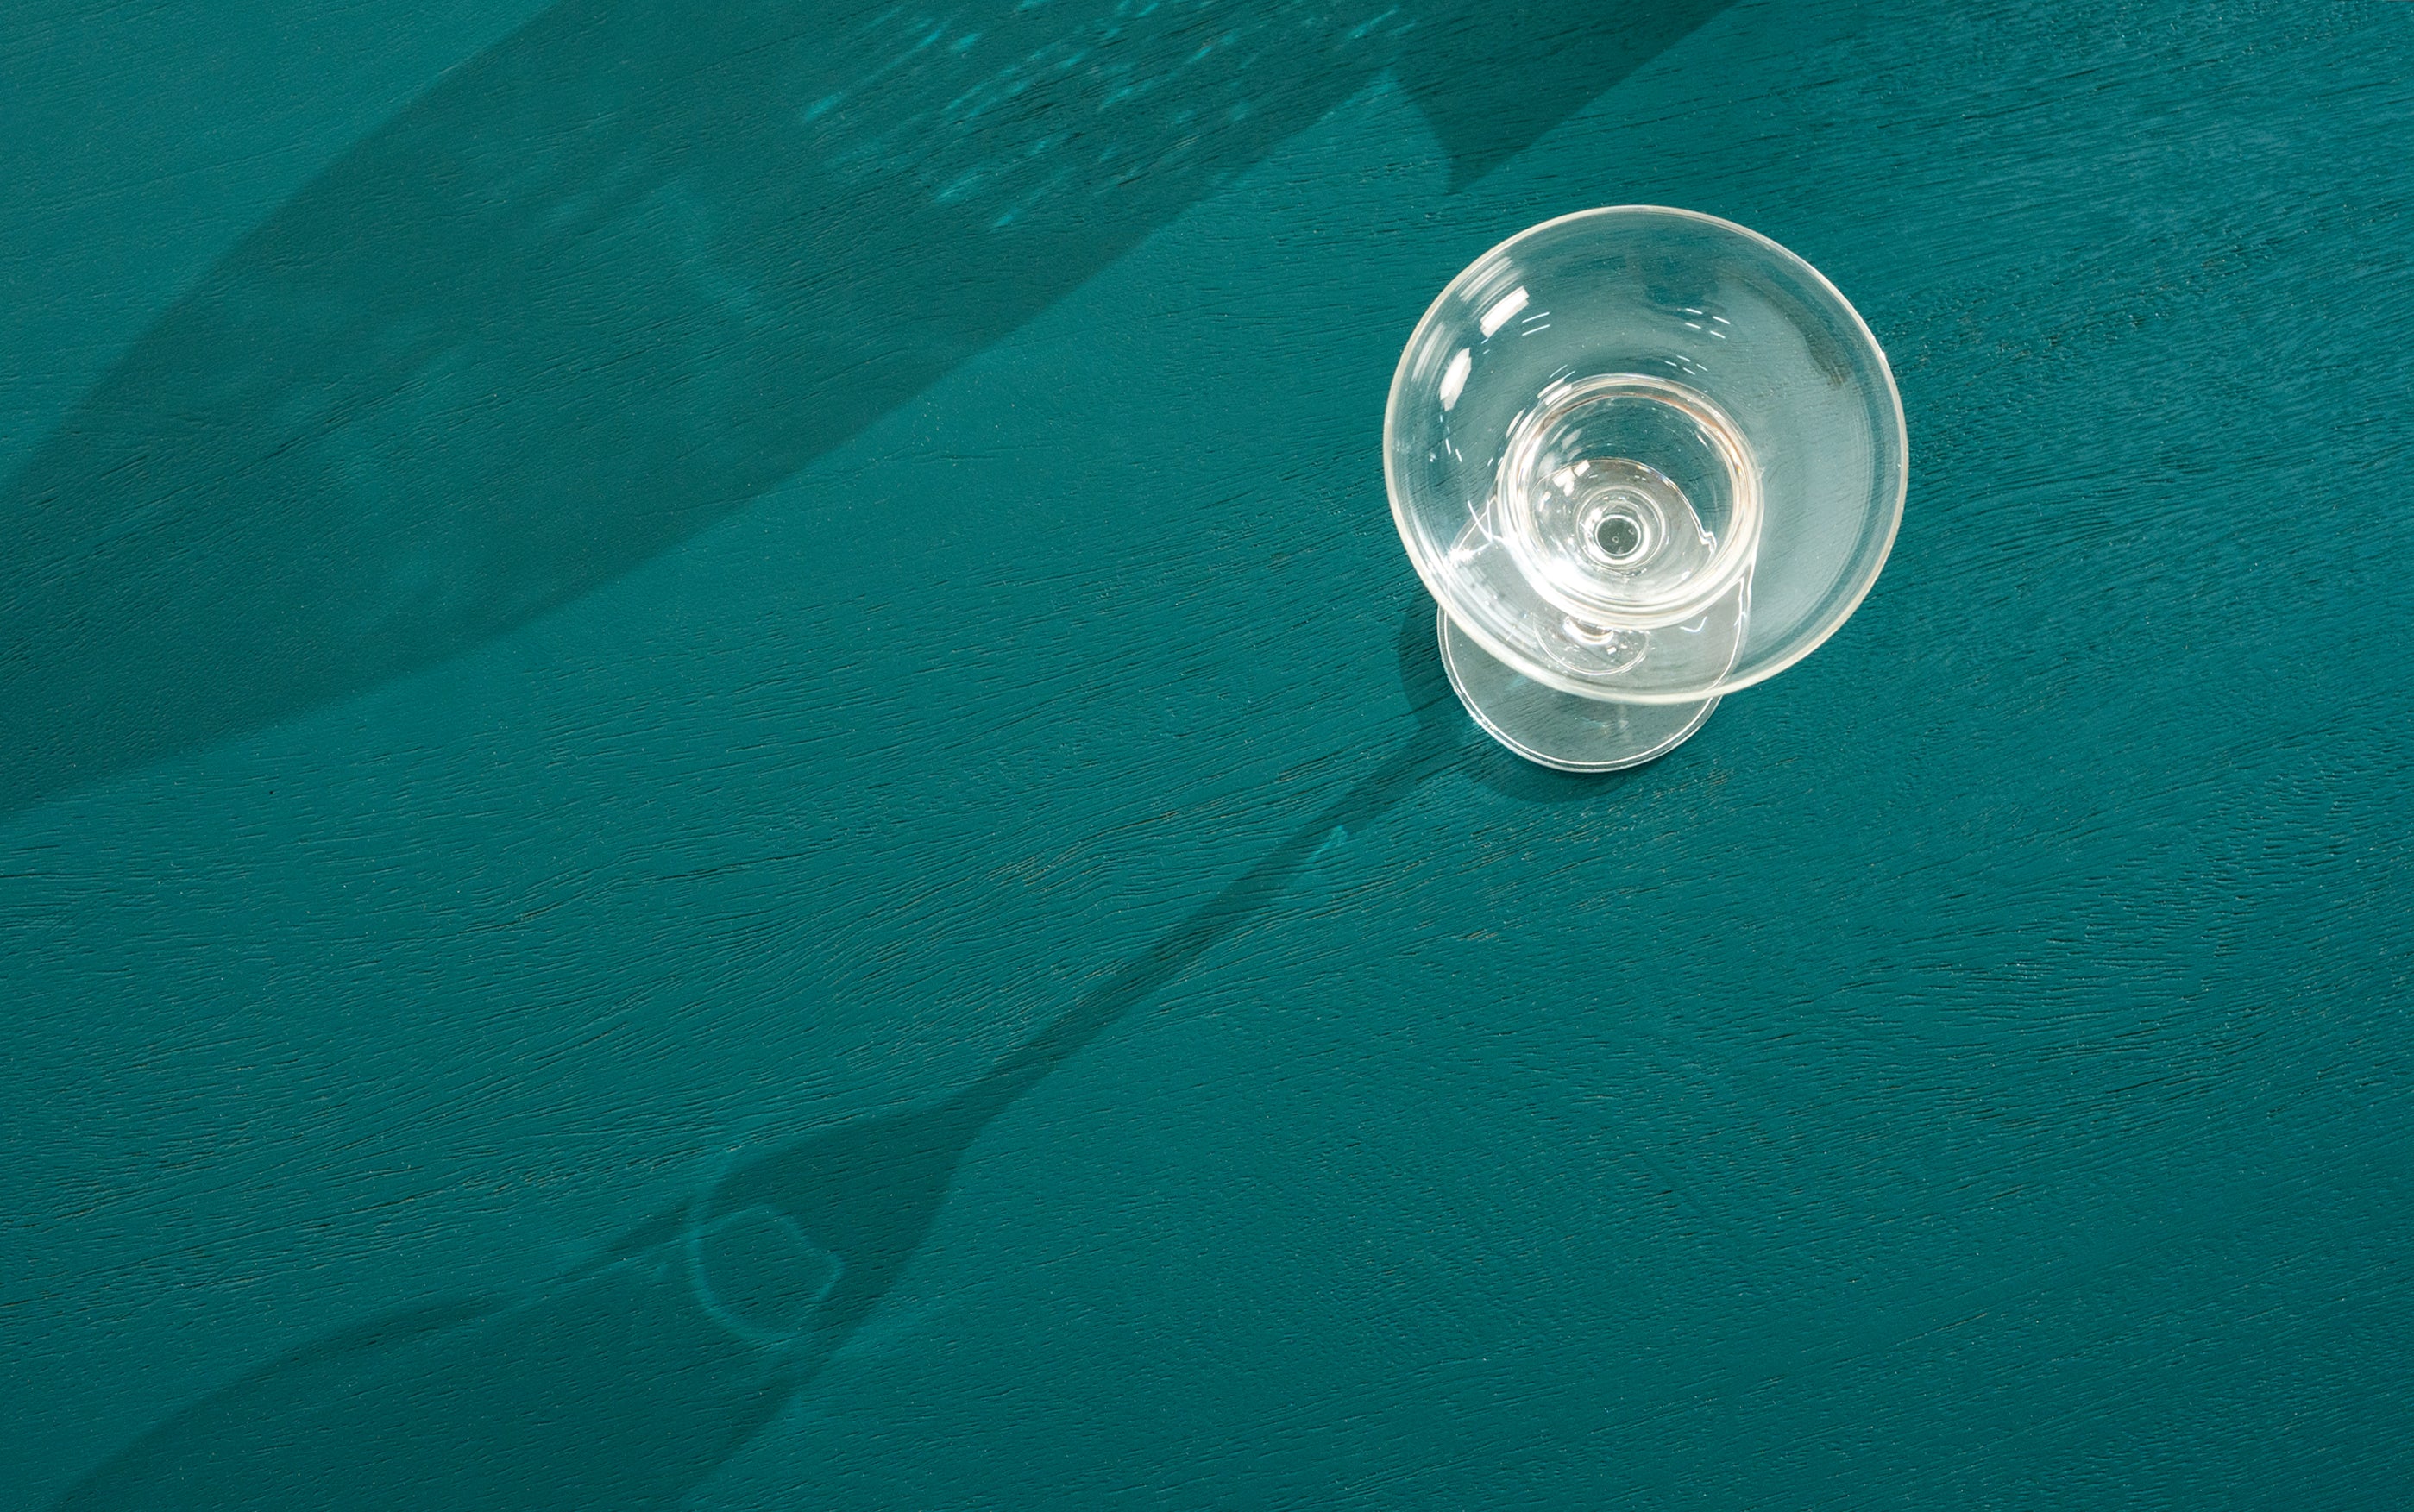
{"x": 623, "y": 1385}
{"x": 624, "y": 271}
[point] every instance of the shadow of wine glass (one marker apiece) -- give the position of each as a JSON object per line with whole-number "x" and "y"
{"x": 617, "y": 276}
{"x": 624, "y": 1383}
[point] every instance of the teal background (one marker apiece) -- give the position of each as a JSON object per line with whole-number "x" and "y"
{"x": 1974, "y": 1070}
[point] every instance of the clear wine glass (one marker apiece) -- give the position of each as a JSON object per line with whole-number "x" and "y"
{"x": 1642, "y": 457}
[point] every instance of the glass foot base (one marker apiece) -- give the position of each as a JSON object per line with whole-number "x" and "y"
{"x": 1560, "y": 730}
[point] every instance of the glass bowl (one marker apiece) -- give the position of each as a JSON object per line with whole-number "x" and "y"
{"x": 1642, "y": 457}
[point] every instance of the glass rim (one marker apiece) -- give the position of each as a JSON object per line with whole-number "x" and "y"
{"x": 1885, "y": 384}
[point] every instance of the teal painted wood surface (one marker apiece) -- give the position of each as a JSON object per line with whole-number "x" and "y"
{"x": 519, "y": 775}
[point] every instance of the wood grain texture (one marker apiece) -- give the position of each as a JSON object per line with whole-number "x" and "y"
{"x": 1973, "y": 1071}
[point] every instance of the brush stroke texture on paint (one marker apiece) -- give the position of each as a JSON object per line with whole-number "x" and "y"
{"x": 1974, "y": 1070}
